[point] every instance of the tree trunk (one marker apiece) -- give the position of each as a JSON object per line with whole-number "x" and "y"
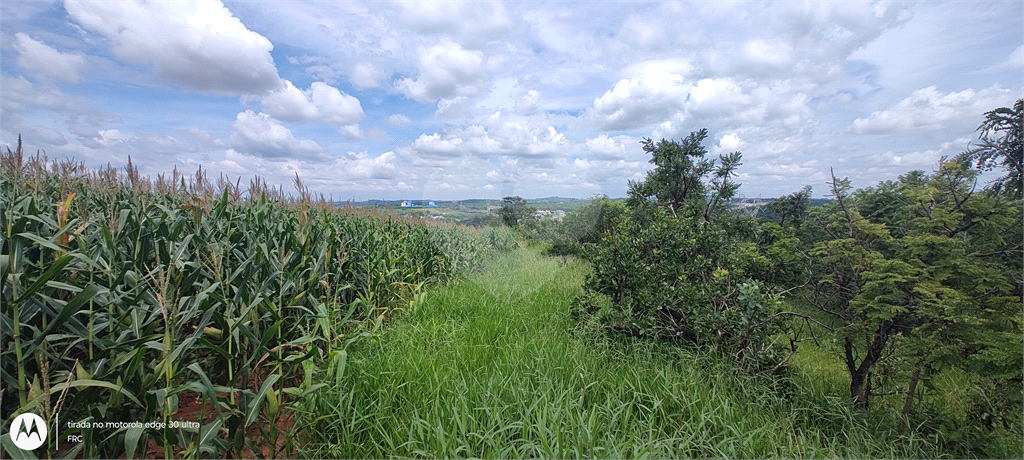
{"x": 909, "y": 403}
{"x": 859, "y": 375}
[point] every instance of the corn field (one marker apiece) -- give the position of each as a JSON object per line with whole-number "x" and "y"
{"x": 126, "y": 299}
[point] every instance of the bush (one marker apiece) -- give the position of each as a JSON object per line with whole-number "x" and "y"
{"x": 673, "y": 278}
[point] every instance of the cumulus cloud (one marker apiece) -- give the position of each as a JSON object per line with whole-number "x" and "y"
{"x": 730, "y": 142}
{"x": 511, "y": 138}
{"x": 260, "y": 135}
{"x": 603, "y": 147}
{"x": 655, "y": 97}
{"x": 38, "y": 57}
{"x": 929, "y": 108}
{"x": 397, "y": 120}
{"x": 321, "y": 102}
{"x": 362, "y": 165}
{"x": 196, "y": 44}
{"x": 722, "y": 97}
{"x": 447, "y": 71}
{"x": 471, "y": 140}
{"x": 651, "y": 96}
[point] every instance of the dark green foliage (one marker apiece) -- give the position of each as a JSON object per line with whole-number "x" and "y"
{"x": 906, "y": 281}
{"x": 673, "y": 267}
{"x": 683, "y": 181}
{"x": 935, "y": 293}
{"x": 672, "y": 278}
{"x": 515, "y": 211}
{"x": 792, "y": 208}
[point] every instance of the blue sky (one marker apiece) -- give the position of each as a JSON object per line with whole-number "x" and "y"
{"x": 455, "y": 100}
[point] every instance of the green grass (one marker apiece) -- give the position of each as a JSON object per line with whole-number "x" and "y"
{"x": 494, "y": 366}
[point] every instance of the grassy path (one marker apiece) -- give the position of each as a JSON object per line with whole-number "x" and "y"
{"x": 490, "y": 367}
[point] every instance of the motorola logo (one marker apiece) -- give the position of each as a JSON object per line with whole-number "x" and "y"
{"x": 28, "y": 431}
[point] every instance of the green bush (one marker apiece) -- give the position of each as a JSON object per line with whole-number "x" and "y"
{"x": 672, "y": 278}
{"x": 671, "y": 264}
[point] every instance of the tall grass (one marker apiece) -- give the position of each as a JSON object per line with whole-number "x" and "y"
{"x": 494, "y": 366}
{"x": 122, "y": 294}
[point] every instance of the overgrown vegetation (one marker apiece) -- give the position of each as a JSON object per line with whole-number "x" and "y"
{"x": 495, "y": 367}
{"x": 885, "y": 323}
{"x": 672, "y": 264}
{"x": 132, "y": 300}
{"x": 903, "y": 282}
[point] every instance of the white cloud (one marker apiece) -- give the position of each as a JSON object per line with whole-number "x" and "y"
{"x": 928, "y": 108}
{"x": 513, "y": 137}
{"x": 834, "y": 30}
{"x": 336, "y": 107}
{"x": 321, "y": 102}
{"x": 603, "y": 147}
{"x": 196, "y": 44}
{"x": 260, "y": 135}
{"x": 447, "y": 71}
{"x": 529, "y": 102}
{"x": 730, "y": 142}
{"x": 722, "y": 97}
{"x": 774, "y": 54}
{"x": 20, "y": 94}
{"x": 38, "y": 57}
{"x": 651, "y": 96}
{"x": 366, "y": 75}
{"x": 471, "y": 140}
{"x": 202, "y": 139}
{"x": 668, "y": 102}
{"x": 362, "y": 165}
{"x": 470, "y": 21}
{"x": 290, "y": 104}
{"x": 397, "y": 120}
{"x": 926, "y": 160}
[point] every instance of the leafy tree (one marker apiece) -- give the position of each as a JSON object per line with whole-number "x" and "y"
{"x": 515, "y": 211}
{"x": 793, "y": 206}
{"x": 1002, "y": 144}
{"x": 917, "y": 296}
{"x": 684, "y": 181}
{"x": 671, "y": 267}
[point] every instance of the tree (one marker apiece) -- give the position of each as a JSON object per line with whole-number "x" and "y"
{"x": 793, "y": 206}
{"x": 670, "y": 267}
{"x": 515, "y": 211}
{"x": 1002, "y": 144}
{"x": 917, "y": 296}
{"x": 678, "y": 179}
